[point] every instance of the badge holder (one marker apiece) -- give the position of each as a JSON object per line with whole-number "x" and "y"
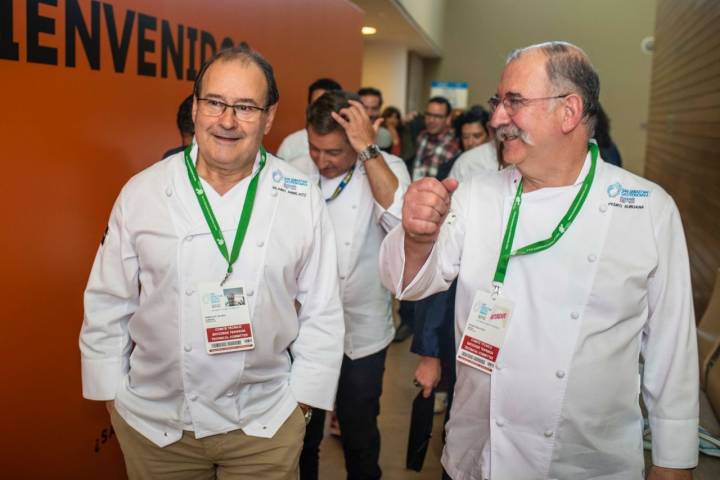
{"x": 485, "y": 331}
{"x": 226, "y": 318}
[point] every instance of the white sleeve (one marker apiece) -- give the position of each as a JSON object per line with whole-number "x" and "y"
{"x": 318, "y": 349}
{"x": 111, "y": 297}
{"x": 457, "y": 170}
{"x": 389, "y": 218}
{"x": 670, "y": 374}
{"x": 443, "y": 264}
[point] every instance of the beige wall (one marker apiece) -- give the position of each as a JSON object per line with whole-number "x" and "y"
{"x": 385, "y": 67}
{"x": 479, "y": 34}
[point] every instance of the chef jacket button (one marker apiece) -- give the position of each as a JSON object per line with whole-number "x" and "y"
{"x": 260, "y": 243}
{"x": 165, "y": 433}
{"x": 264, "y": 427}
{"x": 574, "y": 315}
{"x": 499, "y": 366}
{"x": 592, "y": 257}
{"x": 187, "y": 348}
{"x": 273, "y": 193}
{"x": 193, "y": 398}
{"x": 548, "y": 433}
{"x": 500, "y": 422}
{"x": 347, "y": 244}
{"x": 342, "y": 277}
{"x": 168, "y": 192}
{"x": 603, "y": 208}
{"x": 189, "y": 292}
{"x": 189, "y": 238}
{"x": 560, "y": 374}
{"x": 249, "y": 292}
{"x": 230, "y": 394}
{"x": 354, "y": 207}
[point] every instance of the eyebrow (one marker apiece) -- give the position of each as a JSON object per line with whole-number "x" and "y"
{"x": 246, "y": 101}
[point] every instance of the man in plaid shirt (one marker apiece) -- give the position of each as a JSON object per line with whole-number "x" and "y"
{"x": 437, "y": 144}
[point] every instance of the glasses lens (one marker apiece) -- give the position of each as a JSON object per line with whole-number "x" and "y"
{"x": 212, "y": 107}
{"x": 493, "y": 103}
{"x": 248, "y": 113}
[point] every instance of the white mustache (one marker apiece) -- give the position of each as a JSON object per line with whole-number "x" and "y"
{"x": 509, "y": 131}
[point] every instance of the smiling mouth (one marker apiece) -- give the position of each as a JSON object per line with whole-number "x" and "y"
{"x": 225, "y": 139}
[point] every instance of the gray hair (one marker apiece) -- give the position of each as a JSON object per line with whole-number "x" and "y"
{"x": 568, "y": 68}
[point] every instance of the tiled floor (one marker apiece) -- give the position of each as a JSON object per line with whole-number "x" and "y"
{"x": 396, "y": 401}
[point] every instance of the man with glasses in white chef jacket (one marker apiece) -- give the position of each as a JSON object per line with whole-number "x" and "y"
{"x": 213, "y": 322}
{"x": 569, "y": 270}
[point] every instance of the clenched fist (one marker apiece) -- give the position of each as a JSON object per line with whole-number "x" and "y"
{"x": 427, "y": 203}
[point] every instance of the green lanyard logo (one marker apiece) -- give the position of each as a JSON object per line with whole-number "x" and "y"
{"x": 506, "y": 250}
{"x": 210, "y": 216}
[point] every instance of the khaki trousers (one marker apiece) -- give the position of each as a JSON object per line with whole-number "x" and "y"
{"x": 228, "y": 456}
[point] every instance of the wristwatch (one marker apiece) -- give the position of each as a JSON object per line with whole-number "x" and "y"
{"x": 371, "y": 151}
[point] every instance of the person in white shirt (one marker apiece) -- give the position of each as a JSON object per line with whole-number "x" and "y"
{"x": 569, "y": 270}
{"x": 212, "y": 314}
{"x": 479, "y": 147}
{"x": 296, "y": 144}
{"x": 363, "y": 188}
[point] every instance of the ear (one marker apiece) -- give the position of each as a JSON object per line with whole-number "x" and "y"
{"x": 194, "y": 109}
{"x": 270, "y": 117}
{"x": 572, "y": 112}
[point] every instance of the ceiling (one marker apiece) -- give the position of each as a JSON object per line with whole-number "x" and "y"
{"x": 395, "y": 25}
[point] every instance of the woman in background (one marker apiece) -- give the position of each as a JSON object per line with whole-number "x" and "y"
{"x": 402, "y": 144}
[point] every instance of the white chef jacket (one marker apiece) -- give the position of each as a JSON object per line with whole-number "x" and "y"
{"x": 294, "y": 145}
{"x": 360, "y": 224}
{"x": 142, "y": 340}
{"x": 478, "y": 160}
{"x": 563, "y": 399}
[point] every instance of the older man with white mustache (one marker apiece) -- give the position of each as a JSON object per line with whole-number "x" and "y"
{"x": 569, "y": 269}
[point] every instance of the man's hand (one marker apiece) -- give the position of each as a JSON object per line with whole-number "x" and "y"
{"x": 354, "y": 119}
{"x": 410, "y": 117}
{"x": 427, "y": 203}
{"x": 662, "y": 473}
{"x": 427, "y": 374}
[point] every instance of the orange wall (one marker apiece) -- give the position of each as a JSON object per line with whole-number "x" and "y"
{"x": 70, "y": 137}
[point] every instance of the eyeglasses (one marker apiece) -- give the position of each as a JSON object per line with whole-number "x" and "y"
{"x": 513, "y": 104}
{"x": 435, "y": 115}
{"x": 243, "y": 112}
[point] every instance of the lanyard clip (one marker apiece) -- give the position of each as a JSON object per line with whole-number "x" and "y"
{"x": 227, "y": 275}
{"x": 496, "y": 290}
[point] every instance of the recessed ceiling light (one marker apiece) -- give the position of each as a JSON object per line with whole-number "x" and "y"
{"x": 369, "y": 30}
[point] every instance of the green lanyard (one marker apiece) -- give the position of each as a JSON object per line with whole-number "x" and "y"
{"x": 210, "y": 216}
{"x": 341, "y": 186}
{"x": 506, "y": 250}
